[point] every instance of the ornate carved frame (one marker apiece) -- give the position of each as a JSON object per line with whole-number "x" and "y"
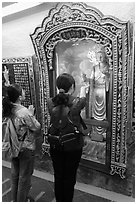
{"x": 73, "y": 21}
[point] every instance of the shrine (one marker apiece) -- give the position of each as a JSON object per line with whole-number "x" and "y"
{"x": 98, "y": 50}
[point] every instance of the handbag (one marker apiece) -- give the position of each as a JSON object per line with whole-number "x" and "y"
{"x": 72, "y": 141}
{"x": 67, "y": 142}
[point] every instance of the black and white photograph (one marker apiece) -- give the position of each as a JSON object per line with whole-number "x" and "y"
{"x": 68, "y": 101}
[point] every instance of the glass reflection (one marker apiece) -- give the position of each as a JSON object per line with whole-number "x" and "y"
{"x": 88, "y": 63}
{"x": 94, "y": 148}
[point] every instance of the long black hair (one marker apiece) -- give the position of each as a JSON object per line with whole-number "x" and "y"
{"x": 12, "y": 94}
{"x": 63, "y": 83}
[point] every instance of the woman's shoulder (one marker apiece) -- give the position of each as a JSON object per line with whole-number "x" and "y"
{"x": 21, "y": 111}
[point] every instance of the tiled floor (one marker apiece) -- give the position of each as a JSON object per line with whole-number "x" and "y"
{"x": 43, "y": 189}
{"x": 48, "y": 188}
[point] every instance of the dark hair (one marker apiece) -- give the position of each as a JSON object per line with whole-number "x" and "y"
{"x": 63, "y": 83}
{"x": 12, "y": 94}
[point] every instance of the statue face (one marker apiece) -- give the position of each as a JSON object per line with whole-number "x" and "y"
{"x": 100, "y": 57}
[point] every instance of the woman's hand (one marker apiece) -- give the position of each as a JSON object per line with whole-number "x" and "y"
{"x": 84, "y": 90}
{"x": 31, "y": 109}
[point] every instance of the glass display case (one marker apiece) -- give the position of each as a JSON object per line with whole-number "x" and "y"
{"x": 88, "y": 63}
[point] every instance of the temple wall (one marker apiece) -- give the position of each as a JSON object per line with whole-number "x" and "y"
{"x": 16, "y": 29}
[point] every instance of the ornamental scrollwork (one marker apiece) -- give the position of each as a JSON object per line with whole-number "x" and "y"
{"x": 76, "y": 22}
{"x": 75, "y": 34}
{"x": 118, "y": 170}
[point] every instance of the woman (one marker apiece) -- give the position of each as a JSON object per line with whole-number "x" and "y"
{"x": 26, "y": 126}
{"x": 65, "y": 163}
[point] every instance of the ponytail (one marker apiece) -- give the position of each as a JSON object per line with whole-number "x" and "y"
{"x": 7, "y": 107}
{"x": 61, "y": 98}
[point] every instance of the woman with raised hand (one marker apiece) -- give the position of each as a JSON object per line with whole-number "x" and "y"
{"x": 65, "y": 163}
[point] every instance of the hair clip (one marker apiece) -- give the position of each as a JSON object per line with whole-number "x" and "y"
{"x": 61, "y": 91}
